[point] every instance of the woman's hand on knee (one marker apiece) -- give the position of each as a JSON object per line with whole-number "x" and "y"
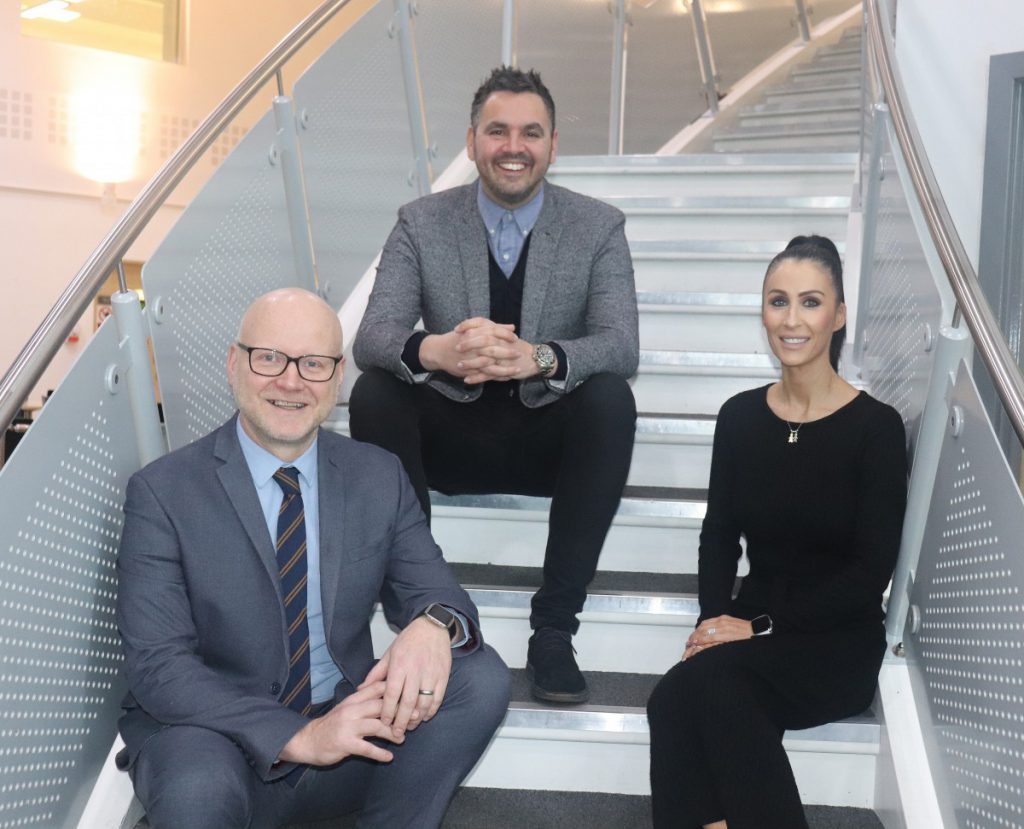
{"x": 716, "y": 631}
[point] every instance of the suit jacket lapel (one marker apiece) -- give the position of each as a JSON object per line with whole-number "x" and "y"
{"x": 539, "y": 263}
{"x": 333, "y": 521}
{"x": 472, "y": 240}
{"x": 236, "y": 479}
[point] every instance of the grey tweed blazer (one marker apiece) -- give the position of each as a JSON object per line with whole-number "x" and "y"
{"x": 578, "y": 292}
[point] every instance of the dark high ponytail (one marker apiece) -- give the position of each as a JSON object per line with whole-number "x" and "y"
{"x": 822, "y": 251}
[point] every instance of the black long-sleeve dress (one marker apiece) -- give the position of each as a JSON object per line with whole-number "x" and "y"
{"x": 822, "y": 519}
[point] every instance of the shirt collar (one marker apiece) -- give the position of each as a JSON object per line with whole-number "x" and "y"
{"x": 263, "y": 464}
{"x": 525, "y": 215}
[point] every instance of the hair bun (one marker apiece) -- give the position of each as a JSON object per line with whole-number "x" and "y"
{"x": 815, "y": 241}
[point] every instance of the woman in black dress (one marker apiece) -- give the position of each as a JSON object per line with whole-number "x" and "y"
{"x": 812, "y": 473}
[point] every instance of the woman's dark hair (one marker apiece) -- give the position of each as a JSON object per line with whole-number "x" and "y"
{"x": 822, "y": 252}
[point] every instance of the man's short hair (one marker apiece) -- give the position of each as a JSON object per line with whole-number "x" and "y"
{"x": 508, "y": 79}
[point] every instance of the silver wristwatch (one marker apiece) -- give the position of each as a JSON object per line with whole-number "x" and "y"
{"x": 544, "y": 357}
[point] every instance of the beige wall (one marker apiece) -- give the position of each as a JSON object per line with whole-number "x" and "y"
{"x": 51, "y": 214}
{"x": 949, "y": 94}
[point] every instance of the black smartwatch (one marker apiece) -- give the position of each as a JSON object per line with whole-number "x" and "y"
{"x": 441, "y": 616}
{"x": 761, "y": 625}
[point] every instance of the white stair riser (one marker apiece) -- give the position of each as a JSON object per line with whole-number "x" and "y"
{"x": 651, "y": 227}
{"x": 725, "y": 275}
{"x": 849, "y": 117}
{"x": 662, "y": 545}
{"x": 839, "y": 73}
{"x": 842, "y": 97}
{"x": 696, "y": 183}
{"x": 685, "y": 465}
{"x": 602, "y": 644}
{"x": 521, "y": 759}
{"x": 669, "y": 393}
{"x": 780, "y": 143}
{"x": 678, "y": 328}
{"x": 672, "y": 463}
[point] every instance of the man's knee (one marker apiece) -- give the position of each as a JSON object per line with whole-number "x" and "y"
{"x": 606, "y": 399}
{"x": 197, "y": 779}
{"x": 378, "y": 390}
{"x": 481, "y": 686}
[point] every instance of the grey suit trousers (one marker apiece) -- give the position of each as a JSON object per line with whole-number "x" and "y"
{"x": 194, "y": 778}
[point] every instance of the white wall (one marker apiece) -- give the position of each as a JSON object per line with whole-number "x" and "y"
{"x": 943, "y": 48}
{"x": 51, "y": 215}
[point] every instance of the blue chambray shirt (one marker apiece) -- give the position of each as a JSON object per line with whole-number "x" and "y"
{"x": 507, "y": 229}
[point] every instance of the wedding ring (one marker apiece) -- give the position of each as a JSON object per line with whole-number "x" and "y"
{"x": 426, "y": 693}
{"x": 711, "y": 631}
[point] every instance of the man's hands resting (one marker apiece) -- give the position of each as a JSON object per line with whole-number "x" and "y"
{"x": 478, "y": 350}
{"x": 387, "y": 703}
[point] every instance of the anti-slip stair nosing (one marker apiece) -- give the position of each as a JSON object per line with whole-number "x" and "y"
{"x": 624, "y": 606}
{"x": 658, "y": 358}
{"x": 698, "y": 298}
{"x": 537, "y": 718}
{"x": 736, "y": 163}
{"x": 729, "y": 204}
{"x": 535, "y": 508}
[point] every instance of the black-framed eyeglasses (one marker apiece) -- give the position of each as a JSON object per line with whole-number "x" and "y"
{"x": 269, "y": 362}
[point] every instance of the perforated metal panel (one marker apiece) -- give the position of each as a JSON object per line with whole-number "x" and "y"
{"x": 459, "y": 42}
{"x": 229, "y": 246}
{"x": 904, "y": 304}
{"x": 663, "y": 86}
{"x": 60, "y": 655}
{"x": 570, "y": 44}
{"x": 356, "y": 148}
{"x": 968, "y": 655}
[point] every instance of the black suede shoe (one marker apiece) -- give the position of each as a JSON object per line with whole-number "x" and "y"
{"x": 551, "y": 667}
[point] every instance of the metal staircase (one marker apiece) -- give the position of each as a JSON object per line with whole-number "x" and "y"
{"x": 702, "y": 233}
{"x": 702, "y": 229}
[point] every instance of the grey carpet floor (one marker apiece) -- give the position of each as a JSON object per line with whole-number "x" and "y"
{"x": 511, "y": 809}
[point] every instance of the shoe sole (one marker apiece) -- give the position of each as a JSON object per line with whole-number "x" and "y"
{"x": 554, "y": 696}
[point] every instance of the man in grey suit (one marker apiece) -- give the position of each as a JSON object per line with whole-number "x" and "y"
{"x": 249, "y": 566}
{"x": 517, "y": 382}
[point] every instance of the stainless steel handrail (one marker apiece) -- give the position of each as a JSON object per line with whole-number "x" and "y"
{"x": 33, "y": 359}
{"x": 971, "y": 302}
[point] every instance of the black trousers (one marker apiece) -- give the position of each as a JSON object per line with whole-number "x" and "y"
{"x": 717, "y": 721}
{"x": 576, "y": 451}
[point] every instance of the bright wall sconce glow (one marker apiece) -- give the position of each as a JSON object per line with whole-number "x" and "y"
{"x": 56, "y": 10}
{"x": 105, "y": 135}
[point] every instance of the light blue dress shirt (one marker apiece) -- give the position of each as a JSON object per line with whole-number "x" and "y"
{"x": 507, "y": 229}
{"x": 323, "y": 673}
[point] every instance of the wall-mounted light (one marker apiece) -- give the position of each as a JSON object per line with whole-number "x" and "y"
{"x": 55, "y": 10}
{"x": 105, "y": 126}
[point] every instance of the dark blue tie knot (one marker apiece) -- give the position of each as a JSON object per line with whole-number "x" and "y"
{"x": 287, "y": 478}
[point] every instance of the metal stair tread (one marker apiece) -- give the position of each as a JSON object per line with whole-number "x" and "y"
{"x": 730, "y": 205}
{"x": 788, "y": 108}
{"x": 489, "y": 576}
{"x": 681, "y": 361}
{"x": 698, "y": 302}
{"x": 748, "y": 250}
{"x": 792, "y": 87}
{"x": 781, "y": 132}
{"x": 603, "y": 713}
{"x": 666, "y": 502}
{"x": 738, "y": 163}
{"x": 647, "y": 424}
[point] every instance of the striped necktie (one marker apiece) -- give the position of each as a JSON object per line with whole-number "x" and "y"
{"x": 291, "y": 565}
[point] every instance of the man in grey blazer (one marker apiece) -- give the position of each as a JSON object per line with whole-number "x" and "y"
{"x": 517, "y": 381}
{"x": 249, "y": 566}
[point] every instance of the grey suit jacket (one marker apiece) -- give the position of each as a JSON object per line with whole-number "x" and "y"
{"x": 578, "y": 291}
{"x": 199, "y": 605}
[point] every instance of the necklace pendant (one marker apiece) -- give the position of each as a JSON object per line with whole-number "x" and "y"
{"x": 793, "y": 436}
